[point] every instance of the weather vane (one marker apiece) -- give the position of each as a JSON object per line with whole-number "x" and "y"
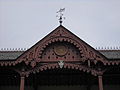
{"x": 60, "y": 15}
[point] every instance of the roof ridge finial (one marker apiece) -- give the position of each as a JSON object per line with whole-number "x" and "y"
{"x": 60, "y": 16}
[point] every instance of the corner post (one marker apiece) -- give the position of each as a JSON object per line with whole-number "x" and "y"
{"x": 100, "y": 82}
{"x": 22, "y": 80}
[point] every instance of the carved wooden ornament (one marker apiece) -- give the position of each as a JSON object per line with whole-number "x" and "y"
{"x": 60, "y": 44}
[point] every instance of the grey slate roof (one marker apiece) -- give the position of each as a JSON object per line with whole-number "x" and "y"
{"x": 12, "y": 55}
{"x": 111, "y": 54}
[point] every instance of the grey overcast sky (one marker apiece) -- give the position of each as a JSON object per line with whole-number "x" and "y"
{"x": 25, "y": 22}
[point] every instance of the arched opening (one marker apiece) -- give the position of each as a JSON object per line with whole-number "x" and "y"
{"x": 61, "y": 79}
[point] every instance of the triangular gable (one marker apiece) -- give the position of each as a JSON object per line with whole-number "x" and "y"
{"x": 33, "y": 54}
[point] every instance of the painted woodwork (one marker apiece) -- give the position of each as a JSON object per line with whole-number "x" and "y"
{"x": 61, "y": 44}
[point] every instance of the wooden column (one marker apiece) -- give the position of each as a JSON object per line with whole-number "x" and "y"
{"x": 22, "y": 82}
{"x": 22, "y": 79}
{"x": 100, "y": 82}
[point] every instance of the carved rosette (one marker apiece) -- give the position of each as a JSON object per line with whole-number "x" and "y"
{"x": 60, "y": 49}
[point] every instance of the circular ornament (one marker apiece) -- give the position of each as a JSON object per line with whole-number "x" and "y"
{"x": 60, "y": 49}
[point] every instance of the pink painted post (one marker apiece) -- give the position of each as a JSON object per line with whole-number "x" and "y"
{"x": 22, "y": 82}
{"x": 100, "y": 82}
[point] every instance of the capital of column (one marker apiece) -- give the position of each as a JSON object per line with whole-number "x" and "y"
{"x": 100, "y": 72}
{"x": 99, "y": 76}
{"x": 22, "y": 73}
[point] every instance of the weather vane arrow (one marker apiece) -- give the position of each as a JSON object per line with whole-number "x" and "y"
{"x": 60, "y": 15}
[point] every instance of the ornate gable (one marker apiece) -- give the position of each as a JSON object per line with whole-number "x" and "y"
{"x": 60, "y": 44}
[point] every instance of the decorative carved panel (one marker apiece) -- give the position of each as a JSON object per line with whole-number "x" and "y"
{"x": 61, "y": 51}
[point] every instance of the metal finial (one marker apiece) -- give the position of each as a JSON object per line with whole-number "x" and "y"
{"x": 60, "y": 16}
